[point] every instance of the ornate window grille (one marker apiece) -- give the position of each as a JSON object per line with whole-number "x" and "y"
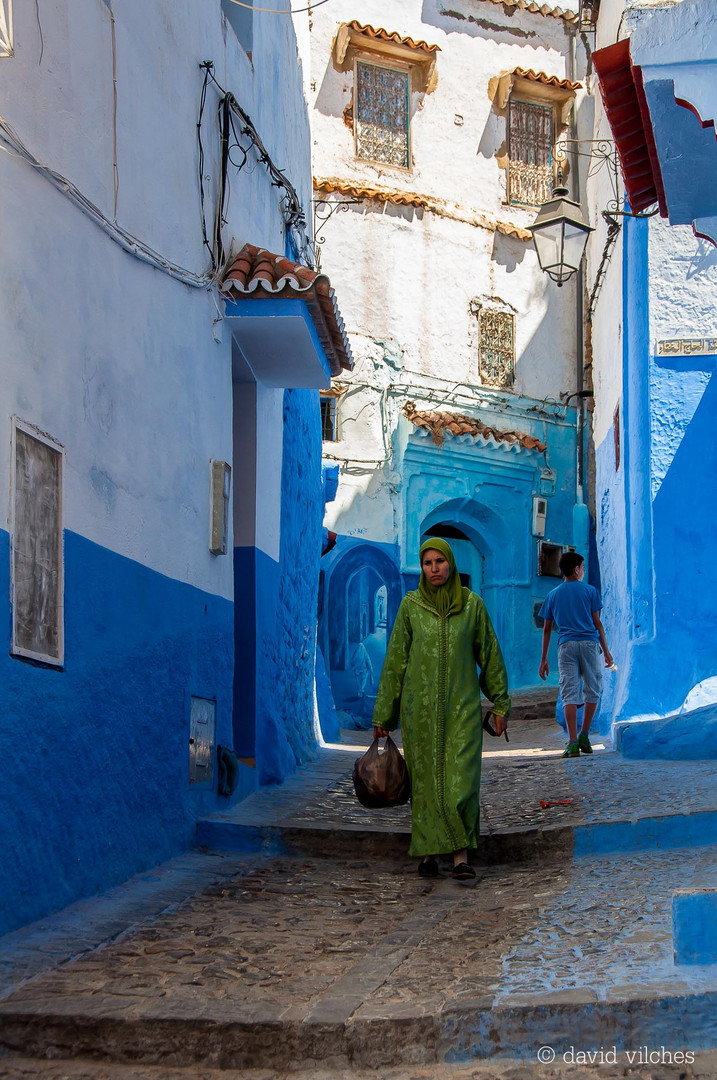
{"x": 6, "y": 37}
{"x": 382, "y": 114}
{"x": 497, "y": 348}
{"x": 530, "y": 153}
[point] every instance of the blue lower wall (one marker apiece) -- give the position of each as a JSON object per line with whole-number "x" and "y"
{"x": 656, "y": 525}
{"x": 95, "y": 778}
{"x": 287, "y": 601}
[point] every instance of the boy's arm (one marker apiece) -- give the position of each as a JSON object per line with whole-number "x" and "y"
{"x": 603, "y": 643}
{"x": 544, "y": 669}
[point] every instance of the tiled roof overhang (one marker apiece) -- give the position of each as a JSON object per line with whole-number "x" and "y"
{"x": 535, "y": 84}
{"x": 539, "y": 9}
{"x": 627, "y": 112}
{"x": 420, "y": 55}
{"x": 333, "y": 185}
{"x": 259, "y": 274}
{"x": 457, "y": 425}
{"x": 546, "y": 80}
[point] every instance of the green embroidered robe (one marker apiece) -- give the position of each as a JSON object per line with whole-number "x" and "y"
{"x": 431, "y": 685}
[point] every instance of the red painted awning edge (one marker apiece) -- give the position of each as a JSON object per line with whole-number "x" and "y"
{"x": 623, "y": 94}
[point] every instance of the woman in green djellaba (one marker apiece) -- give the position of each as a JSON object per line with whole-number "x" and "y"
{"x": 430, "y": 684}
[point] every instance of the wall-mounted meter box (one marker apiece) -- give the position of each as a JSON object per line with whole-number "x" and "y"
{"x": 540, "y": 513}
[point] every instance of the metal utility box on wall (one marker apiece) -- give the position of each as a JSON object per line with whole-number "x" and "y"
{"x": 220, "y": 474}
{"x": 202, "y": 725}
{"x": 540, "y": 513}
{"x": 549, "y": 559}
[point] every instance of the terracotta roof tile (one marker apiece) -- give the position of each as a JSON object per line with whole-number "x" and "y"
{"x": 385, "y": 35}
{"x": 351, "y": 190}
{"x": 539, "y": 9}
{"x": 257, "y": 274}
{"x": 457, "y": 424}
{"x": 358, "y": 191}
{"x": 547, "y": 80}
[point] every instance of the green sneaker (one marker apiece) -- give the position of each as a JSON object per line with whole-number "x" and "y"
{"x": 571, "y": 750}
{"x": 584, "y": 743}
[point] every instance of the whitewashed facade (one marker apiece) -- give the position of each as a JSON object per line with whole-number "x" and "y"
{"x": 430, "y": 251}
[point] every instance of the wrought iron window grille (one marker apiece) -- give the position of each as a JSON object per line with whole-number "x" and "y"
{"x": 530, "y": 152}
{"x": 496, "y": 348}
{"x": 382, "y": 114}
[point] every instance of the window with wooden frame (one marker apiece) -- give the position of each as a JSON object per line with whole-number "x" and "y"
{"x": 382, "y": 114}
{"x": 37, "y": 586}
{"x": 496, "y": 347}
{"x": 537, "y": 108}
{"x": 387, "y": 70}
{"x": 530, "y": 152}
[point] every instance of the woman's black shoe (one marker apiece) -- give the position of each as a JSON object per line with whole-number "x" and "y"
{"x": 463, "y": 872}
{"x": 428, "y": 868}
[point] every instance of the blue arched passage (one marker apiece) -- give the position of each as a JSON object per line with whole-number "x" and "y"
{"x": 364, "y": 592}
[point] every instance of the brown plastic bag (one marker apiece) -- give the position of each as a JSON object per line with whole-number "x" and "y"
{"x": 381, "y": 777}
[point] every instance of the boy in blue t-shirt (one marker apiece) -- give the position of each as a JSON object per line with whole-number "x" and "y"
{"x": 575, "y": 608}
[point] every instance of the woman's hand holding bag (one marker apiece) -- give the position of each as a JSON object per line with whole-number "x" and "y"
{"x": 380, "y": 776}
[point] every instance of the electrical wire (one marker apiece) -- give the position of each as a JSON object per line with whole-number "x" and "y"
{"x": 39, "y": 27}
{"x": 280, "y": 11}
{"x": 291, "y": 208}
{"x": 202, "y": 105}
{"x": 126, "y": 240}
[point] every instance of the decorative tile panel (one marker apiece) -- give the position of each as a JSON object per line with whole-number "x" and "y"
{"x": 382, "y": 115}
{"x": 530, "y": 150}
{"x": 497, "y": 348}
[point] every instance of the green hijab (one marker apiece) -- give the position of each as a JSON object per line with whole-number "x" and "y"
{"x": 444, "y": 599}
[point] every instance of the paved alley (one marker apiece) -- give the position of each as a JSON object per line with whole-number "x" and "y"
{"x": 323, "y": 949}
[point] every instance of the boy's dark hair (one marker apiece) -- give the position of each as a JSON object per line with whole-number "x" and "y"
{"x": 569, "y": 562}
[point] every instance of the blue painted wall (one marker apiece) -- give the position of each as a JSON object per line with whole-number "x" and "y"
{"x": 487, "y": 493}
{"x": 656, "y": 521}
{"x": 99, "y": 784}
{"x": 287, "y": 599}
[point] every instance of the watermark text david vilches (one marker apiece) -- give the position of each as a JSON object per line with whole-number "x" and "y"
{"x": 643, "y": 1055}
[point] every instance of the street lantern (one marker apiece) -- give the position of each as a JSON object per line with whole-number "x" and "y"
{"x": 560, "y": 236}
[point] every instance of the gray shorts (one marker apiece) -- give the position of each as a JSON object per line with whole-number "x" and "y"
{"x": 576, "y": 658}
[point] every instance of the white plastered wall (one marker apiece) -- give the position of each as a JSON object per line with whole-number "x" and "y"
{"x": 411, "y": 279}
{"x": 125, "y": 366}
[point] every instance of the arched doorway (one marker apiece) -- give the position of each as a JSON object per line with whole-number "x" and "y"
{"x": 364, "y": 592}
{"x": 470, "y": 561}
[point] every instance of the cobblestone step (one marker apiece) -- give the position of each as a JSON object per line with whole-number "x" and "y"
{"x": 460, "y": 1035}
{"x": 328, "y": 963}
{"x": 700, "y": 1066}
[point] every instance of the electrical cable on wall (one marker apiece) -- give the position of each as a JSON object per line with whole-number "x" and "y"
{"x": 233, "y": 117}
{"x": 279, "y": 11}
{"x": 126, "y": 240}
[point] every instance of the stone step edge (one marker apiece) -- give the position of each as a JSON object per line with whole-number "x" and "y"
{"x": 476, "y": 1031}
{"x": 648, "y": 833}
